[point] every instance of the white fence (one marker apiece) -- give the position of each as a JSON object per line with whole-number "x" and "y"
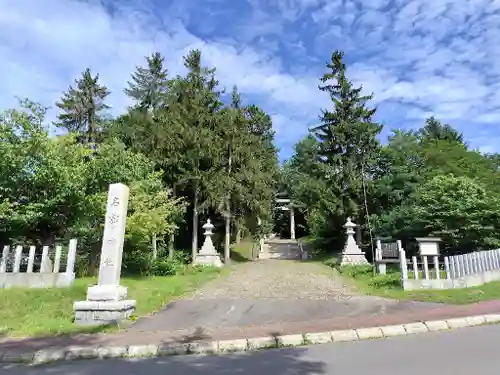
{"x": 49, "y": 274}
{"x": 459, "y": 271}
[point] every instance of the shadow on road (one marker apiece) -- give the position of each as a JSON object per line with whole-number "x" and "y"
{"x": 267, "y": 362}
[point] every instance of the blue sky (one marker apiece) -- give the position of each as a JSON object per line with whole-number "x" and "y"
{"x": 418, "y": 57}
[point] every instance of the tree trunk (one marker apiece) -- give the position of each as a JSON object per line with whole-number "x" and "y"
{"x": 153, "y": 244}
{"x": 238, "y": 231}
{"x": 227, "y": 218}
{"x": 171, "y": 250}
{"x": 194, "y": 247}
{"x": 358, "y": 231}
{"x": 171, "y": 241}
{"x": 227, "y": 239}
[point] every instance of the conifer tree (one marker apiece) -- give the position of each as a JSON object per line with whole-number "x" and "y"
{"x": 82, "y": 106}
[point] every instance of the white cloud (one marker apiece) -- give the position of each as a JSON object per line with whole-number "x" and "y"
{"x": 419, "y": 57}
{"x": 45, "y": 46}
{"x": 440, "y": 57}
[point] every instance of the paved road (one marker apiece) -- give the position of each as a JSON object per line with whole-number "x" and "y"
{"x": 461, "y": 352}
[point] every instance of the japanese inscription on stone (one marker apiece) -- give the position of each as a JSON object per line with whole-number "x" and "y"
{"x": 114, "y": 233}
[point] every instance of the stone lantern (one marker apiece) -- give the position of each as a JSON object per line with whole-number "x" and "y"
{"x": 208, "y": 256}
{"x": 352, "y": 254}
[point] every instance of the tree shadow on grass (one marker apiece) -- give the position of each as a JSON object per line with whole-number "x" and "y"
{"x": 239, "y": 258}
{"x": 244, "y": 252}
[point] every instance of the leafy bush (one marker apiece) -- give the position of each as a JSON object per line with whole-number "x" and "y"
{"x": 137, "y": 263}
{"x": 182, "y": 256}
{"x": 164, "y": 267}
{"x": 356, "y": 272}
{"x": 389, "y": 281}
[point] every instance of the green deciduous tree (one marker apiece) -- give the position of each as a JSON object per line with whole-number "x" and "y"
{"x": 56, "y": 188}
{"x": 460, "y": 210}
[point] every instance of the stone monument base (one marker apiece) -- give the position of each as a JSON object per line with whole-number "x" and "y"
{"x": 354, "y": 259}
{"x": 208, "y": 260}
{"x": 102, "y": 312}
{"x": 107, "y": 293}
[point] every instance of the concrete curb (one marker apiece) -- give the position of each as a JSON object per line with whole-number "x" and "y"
{"x": 239, "y": 345}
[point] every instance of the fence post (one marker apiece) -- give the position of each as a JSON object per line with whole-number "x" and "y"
{"x": 378, "y": 250}
{"x": 453, "y": 270}
{"x": 57, "y": 259}
{"x": 468, "y": 265}
{"x": 489, "y": 260}
{"x": 70, "y": 262}
{"x": 447, "y": 268}
{"x": 480, "y": 261}
{"x": 415, "y": 267}
{"x": 403, "y": 264}
{"x": 492, "y": 260}
{"x": 473, "y": 266}
{"x": 5, "y": 256}
{"x": 45, "y": 265}
{"x": 31, "y": 259}
{"x": 426, "y": 267}
{"x": 460, "y": 264}
{"x": 484, "y": 260}
{"x": 17, "y": 258}
{"x": 436, "y": 267}
{"x": 496, "y": 264}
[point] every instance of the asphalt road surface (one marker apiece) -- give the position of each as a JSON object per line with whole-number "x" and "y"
{"x": 185, "y": 314}
{"x": 461, "y": 352}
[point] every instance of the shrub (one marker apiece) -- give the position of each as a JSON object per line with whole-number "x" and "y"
{"x": 356, "y": 272}
{"x": 137, "y": 263}
{"x": 182, "y": 256}
{"x": 389, "y": 281}
{"x": 332, "y": 262}
{"x": 164, "y": 267}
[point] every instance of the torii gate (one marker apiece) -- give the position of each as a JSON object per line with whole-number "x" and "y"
{"x": 287, "y": 205}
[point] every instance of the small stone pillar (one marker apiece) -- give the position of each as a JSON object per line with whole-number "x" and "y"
{"x": 208, "y": 256}
{"x": 292, "y": 223}
{"x": 352, "y": 254}
{"x": 381, "y": 267}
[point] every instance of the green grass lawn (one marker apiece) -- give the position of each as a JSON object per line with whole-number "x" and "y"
{"x": 389, "y": 286}
{"x": 40, "y": 312}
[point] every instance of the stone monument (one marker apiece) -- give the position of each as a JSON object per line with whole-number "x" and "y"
{"x": 352, "y": 254}
{"x": 107, "y": 301}
{"x": 208, "y": 256}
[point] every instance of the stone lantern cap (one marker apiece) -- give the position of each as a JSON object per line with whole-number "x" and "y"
{"x": 349, "y": 224}
{"x": 208, "y": 226}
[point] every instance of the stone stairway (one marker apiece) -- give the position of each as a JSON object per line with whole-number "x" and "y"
{"x": 280, "y": 248}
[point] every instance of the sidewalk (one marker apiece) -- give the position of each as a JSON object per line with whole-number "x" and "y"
{"x": 11, "y": 349}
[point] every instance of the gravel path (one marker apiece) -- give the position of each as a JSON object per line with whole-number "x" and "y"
{"x": 269, "y": 292}
{"x": 280, "y": 279}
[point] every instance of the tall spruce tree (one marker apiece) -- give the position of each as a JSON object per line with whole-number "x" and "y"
{"x": 347, "y": 136}
{"x": 82, "y": 107}
{"x": 190, "y": 121}
{"x": 149, "y": 84}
